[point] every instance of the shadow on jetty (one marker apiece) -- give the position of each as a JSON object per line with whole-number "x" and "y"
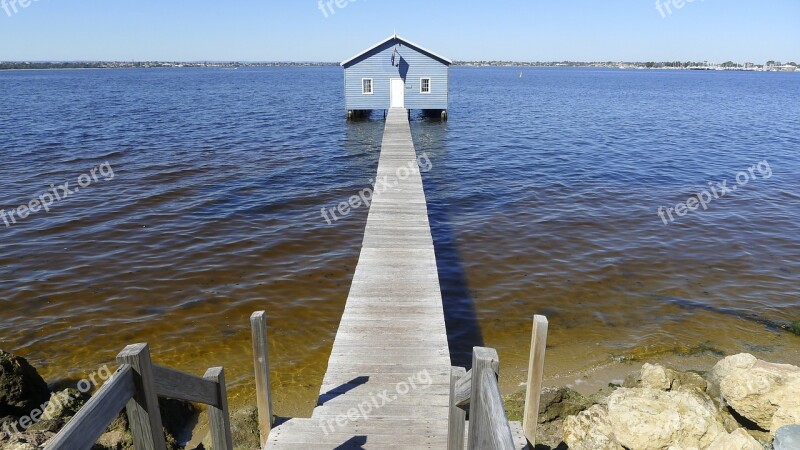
{"x": 463, "y": 329}
{"x": 354, "y": 443}
{"x": 341, "y": 390}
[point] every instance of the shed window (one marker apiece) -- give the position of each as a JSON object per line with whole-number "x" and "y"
{"x": 366, "y": 86}
{"x": 425, "y": 85}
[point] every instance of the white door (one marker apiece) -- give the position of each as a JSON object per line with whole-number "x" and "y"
{"x": 398, "y": 93}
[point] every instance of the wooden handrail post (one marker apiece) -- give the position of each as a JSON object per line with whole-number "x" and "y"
{"x": 258, "y": 325}
{"x": 143, "y": 413}
{"x": 218, "y": 416}
{"x": 479, "y": 429}
{"x": 498, "y": 433}
{"x": 458, "y": 417}
{"x": 535, "y": 375}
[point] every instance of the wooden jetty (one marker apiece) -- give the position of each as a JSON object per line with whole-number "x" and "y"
{"x": 389, "y": 384}
{"x": 392, "y": 331}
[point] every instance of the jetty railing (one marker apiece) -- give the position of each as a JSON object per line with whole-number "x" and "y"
{"x": 136, "y": 386}
{"x": 478, "y": 393}
{"x": 138, "y": 383}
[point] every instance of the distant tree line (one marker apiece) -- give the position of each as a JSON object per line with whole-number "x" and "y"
{"x": 149, "y": 64}
{"x": 648, "y": 64}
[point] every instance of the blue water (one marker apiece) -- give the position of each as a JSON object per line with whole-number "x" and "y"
{"x": 544, "y": 198}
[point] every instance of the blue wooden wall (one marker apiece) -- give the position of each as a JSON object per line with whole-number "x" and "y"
{"x": 414, "y": 64}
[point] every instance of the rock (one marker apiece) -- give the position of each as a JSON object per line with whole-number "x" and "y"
{"x": 730, "y": 364}
{"x": 689, "y": 380}
{"x": 64, "y": 404}
{"x": 738, "y": 439}
{"x": 652, "y": 419}
{"x": 787, "y": 414}
{"x": 787, "y": 438}
{"x": 22, "y": 389}
{"x": 26, "y": 441}
{"x": 114, "y": 440}
{"x": 654, "y": 376}
{"x": 590, "y": 430}
{"x": 550, "y": 435}
{"x": 59, "y": 410}
{"x": 18, "y": 446}
{"x": 117, "y": 436}
{"x": 766, "y": 394}
{"x": 52, "y": 426}
{"x": 728, "y": 420}
{"x": 601, "y": 397}
{"x": 646, "y": 419}
{"x": 558, "y": 403}
{"x": 244, "y": 428}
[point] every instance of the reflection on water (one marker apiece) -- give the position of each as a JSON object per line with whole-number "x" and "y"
{"x": 542, "y": 198}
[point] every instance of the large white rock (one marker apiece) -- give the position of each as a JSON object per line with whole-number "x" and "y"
{"x": 765, "y": 393}
{"x": 655, "y": 376}
{"x": 653, "y": 419}
{"x": 590, "y": 430}
{"x": 646, "y": 419}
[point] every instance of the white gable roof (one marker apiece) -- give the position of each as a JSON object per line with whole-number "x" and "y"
{"x": 406, "y": 41}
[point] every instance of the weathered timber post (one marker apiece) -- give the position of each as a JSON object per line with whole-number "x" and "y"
{"x": 497, "y": 436}
{"x": 258, "y": 325}
{"x": 458, "y": 417}
{"x": 142, "y": 410}
{"x": 535, "y": 375}
{"x": 218, "y": 416}
{"x": 483, "y": 359}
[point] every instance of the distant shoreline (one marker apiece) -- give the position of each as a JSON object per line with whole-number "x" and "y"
{"x": 18, "y": 65}
{"x": 770, "y": 66}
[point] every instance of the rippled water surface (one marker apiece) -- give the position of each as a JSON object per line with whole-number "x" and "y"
{"x": 543, "y": 196}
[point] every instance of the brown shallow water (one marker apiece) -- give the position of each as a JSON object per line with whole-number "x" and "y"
{"x": 213, "y": 213}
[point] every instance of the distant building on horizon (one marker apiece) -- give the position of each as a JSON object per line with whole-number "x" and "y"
{"x": 396, "y": 73}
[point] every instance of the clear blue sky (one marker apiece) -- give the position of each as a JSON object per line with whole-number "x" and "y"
{"x": 297, "y": 30}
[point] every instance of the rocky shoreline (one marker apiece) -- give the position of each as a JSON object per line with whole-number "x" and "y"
{"x": 742, "y": 403}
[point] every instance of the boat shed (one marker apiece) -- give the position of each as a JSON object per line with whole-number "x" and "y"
{"x": 396, "y": 73}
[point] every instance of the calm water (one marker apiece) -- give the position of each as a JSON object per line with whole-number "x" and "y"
{"x": 543, "y": 198}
